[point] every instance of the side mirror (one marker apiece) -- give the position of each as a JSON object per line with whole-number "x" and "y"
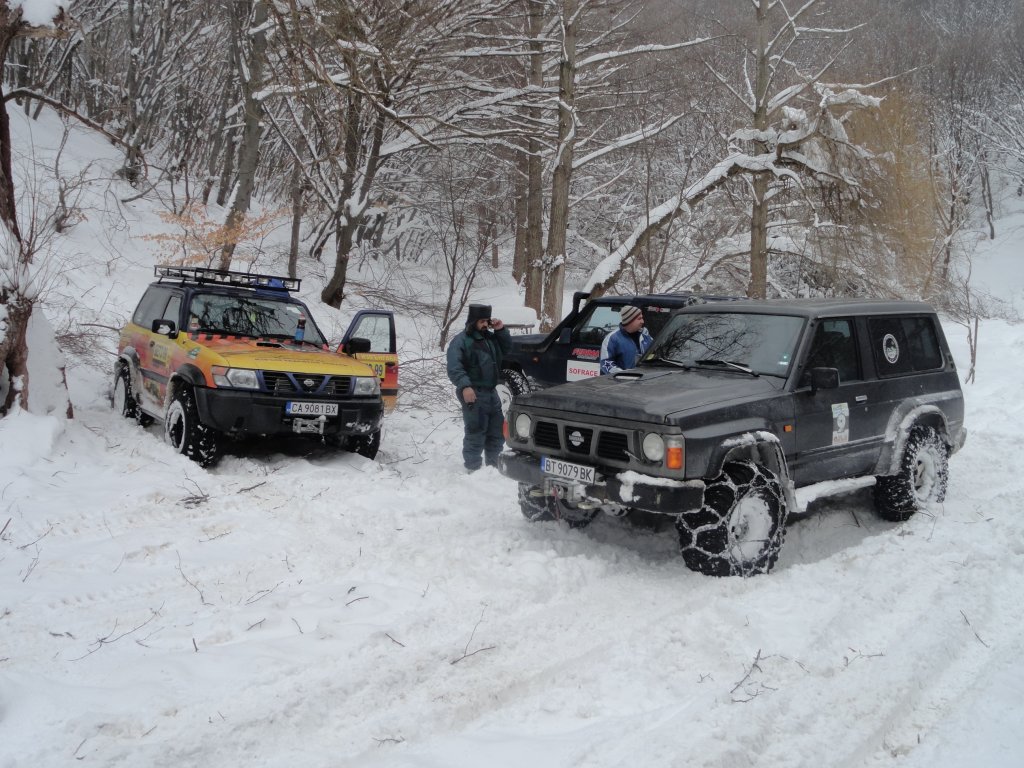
{"x": 166, "y": 328}
{"x": 356, "y": 345}
{"x": 565, "y": 335}
{"x": 824, "y": 378}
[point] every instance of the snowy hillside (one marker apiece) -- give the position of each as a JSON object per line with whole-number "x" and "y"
{"x": 309, "y": 608}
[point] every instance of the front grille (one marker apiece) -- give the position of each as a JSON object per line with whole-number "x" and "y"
{"x": 278, "y": 383}
{"x": 578, "y": 440}
{"x": 613, "y": 446}
{"x": 281, "y": 383}
{"x": 338, "y": 385}
{"x": 546, "y": 435}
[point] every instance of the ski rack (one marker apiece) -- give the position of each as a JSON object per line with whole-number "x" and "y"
{"x": 227, "y": 277}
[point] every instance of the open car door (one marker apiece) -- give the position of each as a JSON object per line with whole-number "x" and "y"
{"x": 378, "y": 326}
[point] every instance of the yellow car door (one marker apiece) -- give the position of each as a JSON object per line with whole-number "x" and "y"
{"x": 378, "y": 327}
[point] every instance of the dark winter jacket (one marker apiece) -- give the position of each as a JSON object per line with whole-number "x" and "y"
{"x": 619, "y": 350}
{"x": 474, "y": 358}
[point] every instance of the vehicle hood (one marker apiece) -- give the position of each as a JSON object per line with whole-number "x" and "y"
{"x": 274, "y": 356}
{"x": 652, "y": 395}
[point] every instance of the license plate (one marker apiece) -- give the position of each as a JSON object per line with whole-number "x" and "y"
{"x": 311, "y": 409}
{"x": 568, "y": 470}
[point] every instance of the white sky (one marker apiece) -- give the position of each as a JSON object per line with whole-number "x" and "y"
{"x": 297, "y": 608}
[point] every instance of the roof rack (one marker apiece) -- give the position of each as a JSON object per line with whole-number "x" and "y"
{"x": 227, "y": 277}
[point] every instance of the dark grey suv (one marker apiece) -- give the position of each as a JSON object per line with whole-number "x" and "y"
{"x": 734, "y": 407}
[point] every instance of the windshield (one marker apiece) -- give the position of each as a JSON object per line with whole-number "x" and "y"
{"x": 763, "y": 343}
{"x": 254, "y": 316}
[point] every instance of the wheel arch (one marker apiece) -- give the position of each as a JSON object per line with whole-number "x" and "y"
{"x": 901, "y": 423}
{"x": 129, "y": 360}
{"x": 187, "y": 375}
{"x": 761, "y": 447}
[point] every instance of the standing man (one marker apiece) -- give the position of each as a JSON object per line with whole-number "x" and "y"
{"x": 474, "y": 367}
{"x": 620, "y": 349}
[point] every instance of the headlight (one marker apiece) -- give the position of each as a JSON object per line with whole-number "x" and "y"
{"x": 239, "y": 378}
{"x": 654, "y": 447}
{"x": 523, "y": 424}
{"x": 366, "y": 385}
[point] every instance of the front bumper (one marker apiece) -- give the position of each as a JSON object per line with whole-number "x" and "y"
{"x": 627, "y": 489}
{"x": 239, "y": 412}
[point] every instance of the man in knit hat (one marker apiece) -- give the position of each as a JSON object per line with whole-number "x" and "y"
{"x": 621, "y": 349}
{"x": 474, "y": 367}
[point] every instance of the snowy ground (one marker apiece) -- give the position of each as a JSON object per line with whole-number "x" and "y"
{"x": 309, "y": 608}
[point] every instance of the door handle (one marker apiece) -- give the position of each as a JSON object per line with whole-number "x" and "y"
{"x": 861, "y": 398}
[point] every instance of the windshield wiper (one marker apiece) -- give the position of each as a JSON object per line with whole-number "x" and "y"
{"x": 728, "y": 364}
{"x": 289, "y": 337}
{"x": 666, "y": 361}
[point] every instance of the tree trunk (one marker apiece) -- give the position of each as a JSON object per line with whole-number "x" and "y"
{"x": 758, "y": 286}
{"x": 554, "y": 279}
{"x": 8, "y": 205}
{"x": 334, "y": 292}
{"x": 534, "y": 188}
{"x": 14, "y": 348}
{"x": 297, "y": 188}
{"x": 252, "y": 131}
{"x": 520, "y": 226}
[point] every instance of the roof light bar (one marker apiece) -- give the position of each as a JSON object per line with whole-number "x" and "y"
{"x": 227, "y": 277}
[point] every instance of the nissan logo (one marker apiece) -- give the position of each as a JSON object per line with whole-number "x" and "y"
{"x": 308, "y": 383}
{"x": 576, "y": 438}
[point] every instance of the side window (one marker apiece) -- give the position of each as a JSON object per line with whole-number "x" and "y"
{"x": 923, "y": 343}
{"x": 655, "y": 318}
{"x": 173, "y": 308}
{"x": 834, "y": 346}
{"x": 152, "y": 306}
{"x": 596, "y": 325}
{"x": 376, "y": 328}
{"x": 902, "y": 345}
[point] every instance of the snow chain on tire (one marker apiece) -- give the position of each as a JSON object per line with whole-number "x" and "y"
{"x": 740, "y": 526}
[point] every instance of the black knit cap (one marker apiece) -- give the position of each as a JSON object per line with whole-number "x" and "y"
{"x": 478, "y": 312}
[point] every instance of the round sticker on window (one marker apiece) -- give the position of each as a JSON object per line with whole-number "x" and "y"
{"x": 890, "y": 348}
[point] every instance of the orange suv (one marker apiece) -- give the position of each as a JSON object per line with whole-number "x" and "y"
{"x": 217, "y": 354}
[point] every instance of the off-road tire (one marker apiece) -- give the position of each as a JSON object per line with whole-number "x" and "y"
{"x": 537, "y": 506}
{"x": 921, "y": 479}
{"x": 186, "y": 434}
{"x": 740, "y": 526}
{"x": 123, "y": 398}
{"x": 512, "y": 385}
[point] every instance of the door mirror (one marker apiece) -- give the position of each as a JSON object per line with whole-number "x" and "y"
{"x": 824, "y": 378}
{"x": 356, "y": 346}
{"x": 166, "y": 328}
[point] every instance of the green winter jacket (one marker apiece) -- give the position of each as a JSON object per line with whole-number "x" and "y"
{"x": 474, "y": 358}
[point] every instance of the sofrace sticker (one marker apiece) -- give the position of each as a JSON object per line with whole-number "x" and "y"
{"x": 840, "y": 423}
{"x": 577, "y": 369}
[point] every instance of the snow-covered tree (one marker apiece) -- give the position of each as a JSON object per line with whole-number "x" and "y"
{"x": 20, "y": 270}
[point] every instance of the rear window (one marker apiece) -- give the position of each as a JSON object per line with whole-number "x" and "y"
{"x": 903, "y": 345}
